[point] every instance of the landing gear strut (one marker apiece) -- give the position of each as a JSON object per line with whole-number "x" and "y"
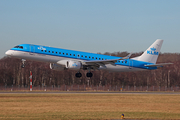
{"x": 78, "y": 75}
{"x": 23, "y": 63}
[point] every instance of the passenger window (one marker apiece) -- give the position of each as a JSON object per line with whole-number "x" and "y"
{"x": 59, "y": 52}
{"x": 99, "y": 58}
{"x": 74, "y": 55}
{"x": 66, "y": 53}
{"x": 63, "y": 53}
{"x": 45, "y": 50}
{"x": 52, "y": 51}
{"x": 81, "y": 55}
{"x": 42, "y": 50}
{"x": 92, "y": 57}
{"x": 102, "y": 58}
{"x": 70, "y": 54}
{"x": 89, "y": 57}
{"x": 96, "y": 58}
{"x": 85, "y": 56}
{"x": 78, "y": 55}
{"x": 56, "y": 52}
{"x": 49, "y": 51}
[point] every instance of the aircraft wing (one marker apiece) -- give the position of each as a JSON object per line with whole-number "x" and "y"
{"x": 158, "y": 65}
{"x": 103, "y": 62}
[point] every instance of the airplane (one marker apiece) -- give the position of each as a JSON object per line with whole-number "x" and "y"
{"x": 61, "y": 59}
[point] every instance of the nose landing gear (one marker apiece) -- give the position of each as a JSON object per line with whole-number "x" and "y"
{"x": 23, "y": 63}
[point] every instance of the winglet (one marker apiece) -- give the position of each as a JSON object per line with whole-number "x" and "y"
{"x": 128, "y": 56}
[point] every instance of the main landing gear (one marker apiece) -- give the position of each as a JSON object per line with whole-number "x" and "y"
{"x": 78, "y": 75}
{"x": 23, "y": 63}
{"x": 89, "y": 74}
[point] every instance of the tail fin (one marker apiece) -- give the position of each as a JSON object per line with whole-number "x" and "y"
{"x": 152, "y": 53}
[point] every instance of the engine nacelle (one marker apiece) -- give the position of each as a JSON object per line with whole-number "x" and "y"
{"x": 74, "y": 65}
{"x": 54, "y": 66}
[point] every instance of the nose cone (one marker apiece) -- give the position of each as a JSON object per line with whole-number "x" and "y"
{"x": 9, "y": 52}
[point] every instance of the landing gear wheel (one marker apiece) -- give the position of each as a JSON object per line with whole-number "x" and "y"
{"x": 78, "y": 75}
{"x": 22, "y": 66}
{"x": 89, "y": 74}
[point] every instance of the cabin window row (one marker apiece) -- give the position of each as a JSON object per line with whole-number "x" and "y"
{"x": 75, "y": 55}
{"x": 122, "y": 61}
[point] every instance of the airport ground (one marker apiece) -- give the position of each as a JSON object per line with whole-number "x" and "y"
{"x": 89, "y": 105}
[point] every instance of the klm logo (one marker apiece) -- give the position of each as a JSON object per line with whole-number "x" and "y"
{"x": 74, "y": 65}
{"x": 152, "y": 51}
{"x": 41, "y": 48}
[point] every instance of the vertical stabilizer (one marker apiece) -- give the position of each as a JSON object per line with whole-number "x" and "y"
{"x": 152, "y": 53}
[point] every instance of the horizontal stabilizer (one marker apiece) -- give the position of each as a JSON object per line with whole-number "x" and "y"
{"x": 158, "y": 65}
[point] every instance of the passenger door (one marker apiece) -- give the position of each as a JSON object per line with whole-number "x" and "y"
{"x": 130, "y": 64}
{"x": 32, "y": 49}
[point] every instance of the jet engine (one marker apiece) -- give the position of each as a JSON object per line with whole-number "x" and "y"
{"x": 54, "y": 66}
{"x": 74, "y": 65}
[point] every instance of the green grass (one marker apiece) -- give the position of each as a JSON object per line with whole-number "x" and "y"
{"x": 89, "y": 106}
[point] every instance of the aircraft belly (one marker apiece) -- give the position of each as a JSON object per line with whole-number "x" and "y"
{"x": 121, "y": 68}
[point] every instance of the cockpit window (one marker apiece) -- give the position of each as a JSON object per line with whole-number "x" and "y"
{"x": 19, "y": 47}
{"x": 16, "y": 47}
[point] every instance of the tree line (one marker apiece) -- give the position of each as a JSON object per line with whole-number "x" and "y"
{"x": 11, "y": 73}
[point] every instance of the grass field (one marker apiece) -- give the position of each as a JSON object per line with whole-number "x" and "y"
{"x": 89, "y": 106}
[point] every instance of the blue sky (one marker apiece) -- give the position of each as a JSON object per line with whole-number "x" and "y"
{"x": 91, "y": 25}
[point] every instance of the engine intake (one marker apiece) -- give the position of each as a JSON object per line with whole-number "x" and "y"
{"x": 54, "y": 66}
